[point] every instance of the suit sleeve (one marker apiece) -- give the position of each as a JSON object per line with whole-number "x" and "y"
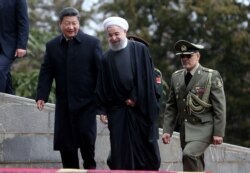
{"x": 45, "y": 79}
{"x": 218, "y": 101}
{"x": 22, "y": 24}
{"x": 100, "y": 89}
{"x": 98, "y": 56}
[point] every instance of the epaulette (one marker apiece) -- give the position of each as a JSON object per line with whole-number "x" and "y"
{"x": 207, "y": 70}
{"x": 157, "y": 70}
{"x": 178, "y": 71}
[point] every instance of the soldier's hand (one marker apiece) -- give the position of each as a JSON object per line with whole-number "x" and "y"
{"x": 166, "y": 138}
{"x": 217, "y": 140}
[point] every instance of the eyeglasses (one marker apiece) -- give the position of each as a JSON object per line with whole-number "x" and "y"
{"x": 188, "y": 56}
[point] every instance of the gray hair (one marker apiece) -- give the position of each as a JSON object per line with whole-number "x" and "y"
{"x": 68, "y": 11}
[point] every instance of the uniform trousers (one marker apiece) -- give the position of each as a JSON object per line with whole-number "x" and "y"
{"x": 5, "y": 77}
{"x": 192, "y": 153}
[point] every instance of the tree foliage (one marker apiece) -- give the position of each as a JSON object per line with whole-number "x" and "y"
{"x": 222, "y": 26}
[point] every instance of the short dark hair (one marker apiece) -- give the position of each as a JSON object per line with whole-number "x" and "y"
{"x": 68, "y": 11}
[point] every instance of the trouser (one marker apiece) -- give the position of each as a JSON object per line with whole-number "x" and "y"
{"x": 76, "y": 130}
{"x": 9, "y": 87}
{"x": 192, "y": 154}
{"x": 70, "y": 157}
{"x": 5, "y": 77}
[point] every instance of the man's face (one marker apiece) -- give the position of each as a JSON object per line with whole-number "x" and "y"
{"x": 116, "y": 37}
{"x": 190, "y": 61}
{"x": 70, "y": 26}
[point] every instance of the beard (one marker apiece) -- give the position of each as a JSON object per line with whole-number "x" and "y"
{"x": 119, "y": 45}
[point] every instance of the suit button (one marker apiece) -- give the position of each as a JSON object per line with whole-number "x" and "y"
{"x": 185, "y": 110}
{"x": 185, "y": 120}
{"x": 184, "y": 100}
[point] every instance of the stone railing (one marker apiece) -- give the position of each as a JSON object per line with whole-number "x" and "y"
{"x": 26, "y": 140}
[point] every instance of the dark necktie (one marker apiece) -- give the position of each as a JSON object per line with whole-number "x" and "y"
{"x": 187, "y": 78}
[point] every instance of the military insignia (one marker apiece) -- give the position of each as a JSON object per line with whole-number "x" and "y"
{"x": 158, "y": 80}
{"x": 183, "y": 48}
{"x": 197, "y": 89}
{"x": 218, "y": 82}
{"x": 178, "y": 71}
{"x": 208, "y": 70}
{"x": 177, "y": 92}
{"x": 177, "y": 96}
{"x": 200, "y": 90}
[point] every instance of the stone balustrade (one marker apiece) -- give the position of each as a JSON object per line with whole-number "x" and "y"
{"x": 26, "y": 140}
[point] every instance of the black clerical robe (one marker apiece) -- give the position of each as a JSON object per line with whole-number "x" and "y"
{"x": 128, "y": 74}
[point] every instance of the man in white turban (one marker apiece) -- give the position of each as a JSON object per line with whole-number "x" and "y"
{"x": 127, "y": 100}
{"x": 120, "y": 24}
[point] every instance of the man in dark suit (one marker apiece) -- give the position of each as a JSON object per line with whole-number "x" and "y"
{"x": 14, "y": 31}
{"x": 197, "y": 101}
{"x": 72, "y": 59}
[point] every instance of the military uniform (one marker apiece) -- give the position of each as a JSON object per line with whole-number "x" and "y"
{"x": 199, "y": 109}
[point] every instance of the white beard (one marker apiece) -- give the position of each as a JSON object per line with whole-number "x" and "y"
{"x": 118, "y": 46}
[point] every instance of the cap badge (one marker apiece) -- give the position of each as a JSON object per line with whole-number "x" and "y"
{"x": 183, "y": 48}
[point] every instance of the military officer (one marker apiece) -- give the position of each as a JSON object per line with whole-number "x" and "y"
{"x": 197, "y": 103}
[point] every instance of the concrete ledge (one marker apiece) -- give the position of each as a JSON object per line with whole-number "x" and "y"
{"x": 26, "y": 140}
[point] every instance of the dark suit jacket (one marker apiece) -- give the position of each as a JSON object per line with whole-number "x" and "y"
{"x": 75, "y": 72}
{"x": 14, "y": 26}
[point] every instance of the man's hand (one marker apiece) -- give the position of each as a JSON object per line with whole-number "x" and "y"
{"x": 130, "y": 103}
{"x": 166, "y": 138}
{"x": 104, "y": 119}
{"x": 20, "y": 53}
{"x": 40, "y": 104}
{"x": 217, "y": 140}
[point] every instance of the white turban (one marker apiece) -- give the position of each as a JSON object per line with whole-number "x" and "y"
{"x": 118, "y": 21}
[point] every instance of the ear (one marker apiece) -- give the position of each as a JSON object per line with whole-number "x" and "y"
{"x": 198, "y": 55}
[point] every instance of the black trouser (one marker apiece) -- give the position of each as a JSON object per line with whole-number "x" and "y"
{"x": 83, "y": 136}
{"x": 5, "y": 76}
{"x": 9, "y": 87}
{"x": 70, "y": 158}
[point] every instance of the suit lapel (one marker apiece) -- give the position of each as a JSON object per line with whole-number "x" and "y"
{"x": 183, "y": 86}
